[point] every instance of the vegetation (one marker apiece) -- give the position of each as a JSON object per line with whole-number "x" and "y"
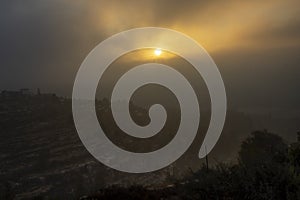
{"x": 267, "y": 169}
{"x": 43, "y": 158}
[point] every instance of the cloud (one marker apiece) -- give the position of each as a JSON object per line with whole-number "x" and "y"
{"x": 44, "y": 42}
{"x": 217, "y": 25}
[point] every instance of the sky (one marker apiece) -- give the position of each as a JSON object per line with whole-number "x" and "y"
{"x": 255, "y": 44}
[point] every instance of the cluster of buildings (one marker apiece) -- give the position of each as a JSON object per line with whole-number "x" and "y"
{"x": 25, "y": 92}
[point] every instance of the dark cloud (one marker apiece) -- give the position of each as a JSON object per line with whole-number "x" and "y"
{"x": 43, "y": 44}
{"x": 278, "y": 34}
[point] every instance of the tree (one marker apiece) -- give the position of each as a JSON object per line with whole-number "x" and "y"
{"x": 263, "y": 149}
{"x": 294, "y": 156}
{"x": 264, "y": 160}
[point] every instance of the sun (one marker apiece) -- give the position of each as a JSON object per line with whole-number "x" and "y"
{"x": 157, "y": 52}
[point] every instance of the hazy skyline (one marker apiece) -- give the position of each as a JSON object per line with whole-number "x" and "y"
{"x": 255, "y": 44}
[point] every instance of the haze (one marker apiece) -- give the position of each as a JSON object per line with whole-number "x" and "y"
{"x": 255, "y": 44}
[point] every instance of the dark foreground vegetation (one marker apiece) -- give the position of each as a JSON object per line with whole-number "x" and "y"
{"x": 42, "y": 157}
{"x": 267, "y": 169}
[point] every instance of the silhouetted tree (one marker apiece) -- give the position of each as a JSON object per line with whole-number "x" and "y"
{"x": 263, "y": 149}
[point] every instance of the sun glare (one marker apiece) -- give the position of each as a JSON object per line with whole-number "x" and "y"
{"x": 157, "y": 52}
